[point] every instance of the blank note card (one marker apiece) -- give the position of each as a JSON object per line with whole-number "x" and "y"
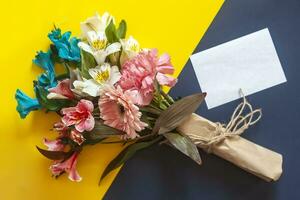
{"x": 250, "y": 63}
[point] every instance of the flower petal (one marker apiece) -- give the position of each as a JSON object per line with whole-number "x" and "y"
{"x": 164, "y": 59}
{"x": 84, "y": 46}
{"x": 91, "y": 24}
{"x": 86, "y": 105}
{"x": 62, "y": 90}
{"x": 54, "y": 145}
{"x": 118, "y": 111}
{"x": 90, "y": 87}
{"x": 100, "y": 56}
{"x": 115, "y": 75}
{"x": 68, "y": 166}
{"x": 67, "y": 47}
{"x": 95, "y": 23}
{"x": 52, "y": 95}
{"x": 94, "y": 72}
{"x": 77, "y": 137}
{"x": 73, "y": 173}
{"x": 25, "y": 103}
{"x": 165, "y": 80}
{"x": 165, "y": 69}
{"x": 44, "y": 60}
{"x": 113, "y": 48}
{"x": 139, "y": 98}
{"x": 88, "y": 124}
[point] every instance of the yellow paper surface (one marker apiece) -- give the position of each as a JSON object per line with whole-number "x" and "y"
{"x": 171, "y": 26}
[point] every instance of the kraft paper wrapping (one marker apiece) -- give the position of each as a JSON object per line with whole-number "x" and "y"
{"x": 247, "y": 155}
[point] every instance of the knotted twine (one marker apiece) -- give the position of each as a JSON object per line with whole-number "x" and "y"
{"x": 238, "y": 123}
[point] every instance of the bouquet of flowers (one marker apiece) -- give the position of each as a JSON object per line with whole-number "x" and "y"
{"x": 111, "y": 91}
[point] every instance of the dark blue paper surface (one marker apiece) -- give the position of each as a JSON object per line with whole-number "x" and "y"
{"x": 161, "y": 172}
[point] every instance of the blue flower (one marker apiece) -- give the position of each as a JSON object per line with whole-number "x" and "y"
{"x": 25, "y": 103}
{"x": 45, "y": 81}
{"x": 43, "y": 60}
{"x": 67, "y": 47}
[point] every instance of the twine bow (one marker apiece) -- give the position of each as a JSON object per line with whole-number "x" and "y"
{"x": 237, "y": 125}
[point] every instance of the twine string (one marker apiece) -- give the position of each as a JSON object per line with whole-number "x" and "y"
{"x": 237, "y": 125}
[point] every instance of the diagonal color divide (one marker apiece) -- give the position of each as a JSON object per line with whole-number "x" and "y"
{"x": 171, "y": 26}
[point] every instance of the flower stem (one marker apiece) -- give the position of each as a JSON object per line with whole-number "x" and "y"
{"x": 67, "y": 67}
{"x": 167, "y": 97}
{"x": 151, "y": 110}
{"x": 166, "y": 102}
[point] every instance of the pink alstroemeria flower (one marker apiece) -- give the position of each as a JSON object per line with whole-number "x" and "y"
{"x": 54, "y": 145}
{"x": 61, "y": 91}
{"x": 68, "y": 166}
{"x": 80, "y": 116}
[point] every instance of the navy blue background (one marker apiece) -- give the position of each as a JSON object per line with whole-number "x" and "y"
{"x": 161, "y": 172}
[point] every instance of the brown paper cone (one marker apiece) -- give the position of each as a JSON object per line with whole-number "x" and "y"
{"x": 247, "y": 155}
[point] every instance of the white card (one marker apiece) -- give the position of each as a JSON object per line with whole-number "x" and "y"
{"x": 249, "y": 63}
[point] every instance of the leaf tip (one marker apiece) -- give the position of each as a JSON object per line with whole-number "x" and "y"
{"x": 101, "y": 179}
{"x": 38, "y": 148}
{"x": 199, "y": 162}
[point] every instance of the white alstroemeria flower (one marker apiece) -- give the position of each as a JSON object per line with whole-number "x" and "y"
{"x": 130, "y": 48}
{"x": 102, "y": 75}
{"x": 97, "y": 46}
{"x": 96, "y": 23}
{"x": 93, "y": 31}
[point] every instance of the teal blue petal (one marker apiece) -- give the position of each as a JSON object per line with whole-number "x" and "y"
{"x": 25, "y": 103}
{"x": 75, "y": 49}
{"x": 44, "y": 61}
{"x": 55, "y": 35}
{"x": 45, "y": 81}
{"x": 65, "y": 37}
{"x": 67, "y": 47}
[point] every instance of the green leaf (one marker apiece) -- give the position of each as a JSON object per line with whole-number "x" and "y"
{"x": 174, "y": 115}
{"x": 92, "y": 141}
{"x": 102, "y": 131}
{"x": 87, "y": 61}
{"x": 62, "y": 76}
{"x": 121, "y": 32}
{"x": 185, "y": 145}
{"x": 111, "y": 33}
{"x": 55, "y": 155}
{"x": 127, "y": 153}
{"x": 50, "y": 104}
{"x": 151, "y": 110}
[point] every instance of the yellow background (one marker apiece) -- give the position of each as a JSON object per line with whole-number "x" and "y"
{"x": 172, "y": 26}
